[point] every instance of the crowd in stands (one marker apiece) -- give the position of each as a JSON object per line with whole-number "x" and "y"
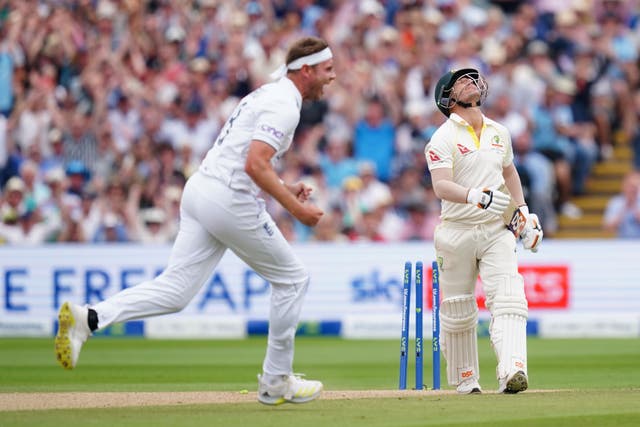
{"x": 108, "y": 106}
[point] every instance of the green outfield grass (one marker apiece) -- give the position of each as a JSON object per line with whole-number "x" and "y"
{"x": 598, "y": 382}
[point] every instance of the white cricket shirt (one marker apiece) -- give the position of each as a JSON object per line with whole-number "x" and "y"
{"x": 474, "y": 163}
{"x": 270, "y": 114}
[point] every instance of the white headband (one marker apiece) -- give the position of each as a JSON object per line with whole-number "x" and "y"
{"x": 313, "y": 59}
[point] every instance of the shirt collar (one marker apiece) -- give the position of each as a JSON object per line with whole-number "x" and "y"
{"x": 459, "y": 120}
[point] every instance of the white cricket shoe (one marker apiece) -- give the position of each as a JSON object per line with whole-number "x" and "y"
{"x": 514, "y": 383}
{"x": 469, "y": 386}
{"x": 73, "y": 331}
{"x": 292, "y": 389}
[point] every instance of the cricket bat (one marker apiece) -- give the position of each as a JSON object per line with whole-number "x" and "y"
{"x": 513, "y": 217}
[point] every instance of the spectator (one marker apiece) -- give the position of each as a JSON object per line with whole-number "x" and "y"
{"x": 125, "y": 123}
{"x": 111, "y": 230}
{"x": 369, "y": 226}
{"x": 329, "y": 227}
{"x": 374, "y": 138}
{"x": 152, "y": 227}
{"x": 336, "y": 163}
{"x": 12, "y": 205}
{"x": 421, "y": 221}
{"x": 71, "y": 230}
{"x": 11, "y": 58}
{"x": 78, "y": 176}
{"x": 34, "y": 122}
{"x": 55, "y": 158}
{"x": 80, "y": 143}
{"x": 88, "y": 214}
{"x": 350, "y": 206}
{"x": 622, "y": 215}
{"x": 36, "y": 192}
{"x": 197, "y": 131}
{"x": 60, "y": 202}
{"x": 373, "y": 192}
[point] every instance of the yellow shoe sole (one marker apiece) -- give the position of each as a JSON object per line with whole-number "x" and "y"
{"x": 517, "y": 384}
{"x": 62, "y": 341}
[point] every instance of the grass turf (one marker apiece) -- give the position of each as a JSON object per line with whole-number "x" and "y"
{"x": 599, "y": 379}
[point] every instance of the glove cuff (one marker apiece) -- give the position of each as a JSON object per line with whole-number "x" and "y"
{"x": 473, "y": 196}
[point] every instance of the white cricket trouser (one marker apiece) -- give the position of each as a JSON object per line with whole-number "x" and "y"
{"x": 489, "y": 249}
{"x": 213, "y": 218}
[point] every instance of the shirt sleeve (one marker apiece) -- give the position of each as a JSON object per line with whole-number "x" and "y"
{"x": 275, "y": 124}
{"x": 438, "y": 153}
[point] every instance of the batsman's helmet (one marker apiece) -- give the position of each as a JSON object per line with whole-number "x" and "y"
{"x": 442, "y": 93}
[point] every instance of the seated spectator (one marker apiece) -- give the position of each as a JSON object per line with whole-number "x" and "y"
{"x": 36, "y": 191}
{"x": 369, "y": 226}
{"x": 336, "y": 162}
{"x": 60, "y": 202}
{"x": 349, "y": 203}
{"x": 373, "y": 192}
{"x": 12, "y": 205}
{"x": 328, "y": 228}
{"x": 111, "y": 230}
{"x": 78, "y": 176}
{"x": 152, "y": 227}
{"x": 622, "y": 215}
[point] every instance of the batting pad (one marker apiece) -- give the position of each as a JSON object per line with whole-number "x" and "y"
{"x": 509, "y": 334}
{"x": 459, "y": 337}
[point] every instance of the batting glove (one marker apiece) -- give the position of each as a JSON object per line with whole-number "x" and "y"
{"x": 531, "y": 235}
{"x": 493, "y": 201}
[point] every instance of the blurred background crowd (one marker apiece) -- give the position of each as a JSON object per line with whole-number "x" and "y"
{"x": 107, "y": 106}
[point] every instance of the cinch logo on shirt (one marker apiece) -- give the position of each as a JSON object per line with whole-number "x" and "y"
{"x": 273, "y": 131}
{"x": 463, "y": 150}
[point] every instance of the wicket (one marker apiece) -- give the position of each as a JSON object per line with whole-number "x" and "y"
{"x": 404, "y": 339}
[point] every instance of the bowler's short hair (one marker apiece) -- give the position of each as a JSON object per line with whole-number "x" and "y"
{"x": 305, "y": 46}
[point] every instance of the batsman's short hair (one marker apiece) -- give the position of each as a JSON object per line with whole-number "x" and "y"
{"x": 305, "y": 46}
